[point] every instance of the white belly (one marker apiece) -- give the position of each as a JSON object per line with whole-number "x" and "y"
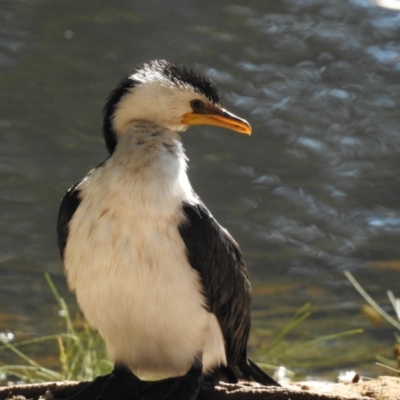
{"x": 133, "y": 282}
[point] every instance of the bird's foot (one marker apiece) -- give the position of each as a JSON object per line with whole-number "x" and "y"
{"x": 121, "y": 384}
{"x": 185, "y": 387}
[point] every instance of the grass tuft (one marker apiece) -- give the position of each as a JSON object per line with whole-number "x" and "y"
{"x": 278, "y": 349}
{"x": 385, "y": 362}
{"x": 82, "y": 355}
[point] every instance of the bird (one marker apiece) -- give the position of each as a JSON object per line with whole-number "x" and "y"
{"x": 164, "y": 284}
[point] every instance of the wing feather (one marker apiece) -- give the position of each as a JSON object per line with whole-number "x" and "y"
{"x": 216, "y": 256}
{"x": 68, "y": 206}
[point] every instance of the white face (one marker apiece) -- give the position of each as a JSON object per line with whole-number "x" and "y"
{"x": 156, "y": 100}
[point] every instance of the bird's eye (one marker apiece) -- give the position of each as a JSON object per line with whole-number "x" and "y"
{"x": 197, "y": 105}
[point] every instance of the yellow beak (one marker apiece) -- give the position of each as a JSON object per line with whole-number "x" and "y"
{"x": 218, "y": 117}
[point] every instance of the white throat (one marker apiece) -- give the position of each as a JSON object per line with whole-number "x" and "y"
{"x": 151, "y": 162}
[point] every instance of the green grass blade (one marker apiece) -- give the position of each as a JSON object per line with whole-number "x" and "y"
{"x": 323, "y": 339}
{"x": 371, "y": 301}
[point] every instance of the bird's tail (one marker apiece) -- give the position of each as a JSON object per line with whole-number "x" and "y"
{"x": 251, "y": 371}
{"x": 246, "y": 370}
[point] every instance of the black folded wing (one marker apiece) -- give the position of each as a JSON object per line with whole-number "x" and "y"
{"x": 216, "y": 256}
{"x": 68, "y": 206}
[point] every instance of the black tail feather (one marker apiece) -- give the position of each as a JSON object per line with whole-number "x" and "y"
{"x": 251, "y": 371}
{"x": 245, "y": 369}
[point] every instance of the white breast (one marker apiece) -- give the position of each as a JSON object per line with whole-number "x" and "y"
{"x": 126, "y": 261}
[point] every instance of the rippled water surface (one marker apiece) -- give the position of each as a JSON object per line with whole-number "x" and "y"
{"x": 313, "y": 192}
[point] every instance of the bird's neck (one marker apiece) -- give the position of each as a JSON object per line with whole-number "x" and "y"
{"x": 149, "y": 141}
{"x": 151, "y": 161}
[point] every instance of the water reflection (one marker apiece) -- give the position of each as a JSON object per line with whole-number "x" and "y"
{"x": 391, "y": 4}
{"x": 314, "y": 191}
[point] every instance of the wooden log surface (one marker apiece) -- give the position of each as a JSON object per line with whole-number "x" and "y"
{"x": 382, "y": 388}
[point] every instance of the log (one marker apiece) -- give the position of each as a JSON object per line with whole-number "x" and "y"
{"x": 382, "y": 388}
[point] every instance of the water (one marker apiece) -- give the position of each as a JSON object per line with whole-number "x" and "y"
{"x": 313, "y": 192}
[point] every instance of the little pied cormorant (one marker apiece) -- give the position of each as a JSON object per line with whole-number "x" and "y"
{"x": 164, "y": 284}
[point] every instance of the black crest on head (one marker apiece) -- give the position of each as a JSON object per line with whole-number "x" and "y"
{"x": 182, "y": 76}
{"x": 175, "y": 73}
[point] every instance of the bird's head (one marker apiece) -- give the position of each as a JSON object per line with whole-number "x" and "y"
{"x": 168, "y": 95}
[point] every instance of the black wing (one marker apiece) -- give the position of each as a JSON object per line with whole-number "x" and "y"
{"x": 217, "y": 257}
{"x": 68, "y": 206}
